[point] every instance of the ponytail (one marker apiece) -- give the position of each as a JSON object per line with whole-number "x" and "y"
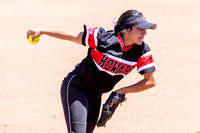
{"x": 117, "y": 29}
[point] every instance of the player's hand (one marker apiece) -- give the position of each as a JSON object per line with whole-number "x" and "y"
{"x": 120, "y": 92}
{"x": 109, "y": 107}
{"x": 36, "y": 33}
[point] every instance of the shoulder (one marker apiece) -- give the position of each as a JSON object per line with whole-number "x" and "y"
{"x": 145, "y": 63}
{"x": 92, "y": 36}
{"x": 99, "y": 31}
{"x": 91, "y": 30}
{"x": 143, "y": 48}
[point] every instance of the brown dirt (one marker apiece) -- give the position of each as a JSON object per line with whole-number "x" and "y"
{"x": 31, "y": 75}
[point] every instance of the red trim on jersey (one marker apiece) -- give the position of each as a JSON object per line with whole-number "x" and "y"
{"x": 145, "y": 60}
{"x": 127, "y": 48}
{"x": 91, "y": 41}
{"x": 122, "y": 44}
{"x": 97, "y": 56}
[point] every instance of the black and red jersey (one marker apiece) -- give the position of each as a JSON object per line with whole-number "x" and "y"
{"x": 108, "y": 61}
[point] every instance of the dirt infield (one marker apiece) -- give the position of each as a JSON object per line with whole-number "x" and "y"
{"x": 31, "y": 75}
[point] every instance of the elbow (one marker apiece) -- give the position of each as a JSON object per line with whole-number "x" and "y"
{"x": 153, "y": 83}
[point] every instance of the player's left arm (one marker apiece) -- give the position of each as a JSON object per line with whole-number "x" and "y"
{"x": 144, "y": 84}
{"x": 117, "y": 97}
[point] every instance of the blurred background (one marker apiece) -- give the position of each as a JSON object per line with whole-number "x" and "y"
{"x": 31, "y": 75}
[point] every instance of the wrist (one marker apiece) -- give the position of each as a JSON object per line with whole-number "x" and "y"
{"x": 120, "y": 91}
{"x": 42, "y": 31}
{"x": 39, "y": 31}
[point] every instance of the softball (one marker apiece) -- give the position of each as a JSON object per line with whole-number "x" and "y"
{"x": 35, "y": 41}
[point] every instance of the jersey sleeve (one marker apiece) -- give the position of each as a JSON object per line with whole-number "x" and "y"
{"x": 145, "y": 63}
{"x": 91, "y": 36}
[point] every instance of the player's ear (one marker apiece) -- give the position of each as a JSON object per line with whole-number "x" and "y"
{"x": 129, "y": 29}
{"x": 126, "y": 30}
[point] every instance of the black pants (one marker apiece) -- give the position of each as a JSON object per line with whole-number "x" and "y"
{"x": 81, "y": 113}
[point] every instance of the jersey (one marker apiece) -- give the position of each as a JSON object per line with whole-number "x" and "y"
{"x": 108, "y": 60}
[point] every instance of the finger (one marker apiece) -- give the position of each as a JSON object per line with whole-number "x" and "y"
{"x": 35, "y": 36}
{"x": 29, "y": 33}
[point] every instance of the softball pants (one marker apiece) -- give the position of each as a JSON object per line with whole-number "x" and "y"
{"x": 81, "y": 113}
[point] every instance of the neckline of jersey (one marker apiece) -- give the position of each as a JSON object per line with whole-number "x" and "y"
{"x": 122, "y": 44}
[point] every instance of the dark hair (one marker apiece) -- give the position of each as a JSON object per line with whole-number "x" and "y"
{"x": 125, "y": 16}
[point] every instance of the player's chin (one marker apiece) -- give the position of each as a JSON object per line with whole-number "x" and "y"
{"x": 139, "y": 41}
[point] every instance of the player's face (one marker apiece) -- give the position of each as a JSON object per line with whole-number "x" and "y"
{"x": 136, "y": 35}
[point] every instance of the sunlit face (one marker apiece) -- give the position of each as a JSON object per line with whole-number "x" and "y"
{"x": 136, "y": 35}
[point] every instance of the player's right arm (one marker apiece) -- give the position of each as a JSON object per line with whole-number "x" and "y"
{"x": 77, "y": 38}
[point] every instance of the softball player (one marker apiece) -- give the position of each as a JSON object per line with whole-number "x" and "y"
{"x": 111, "y": 56}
